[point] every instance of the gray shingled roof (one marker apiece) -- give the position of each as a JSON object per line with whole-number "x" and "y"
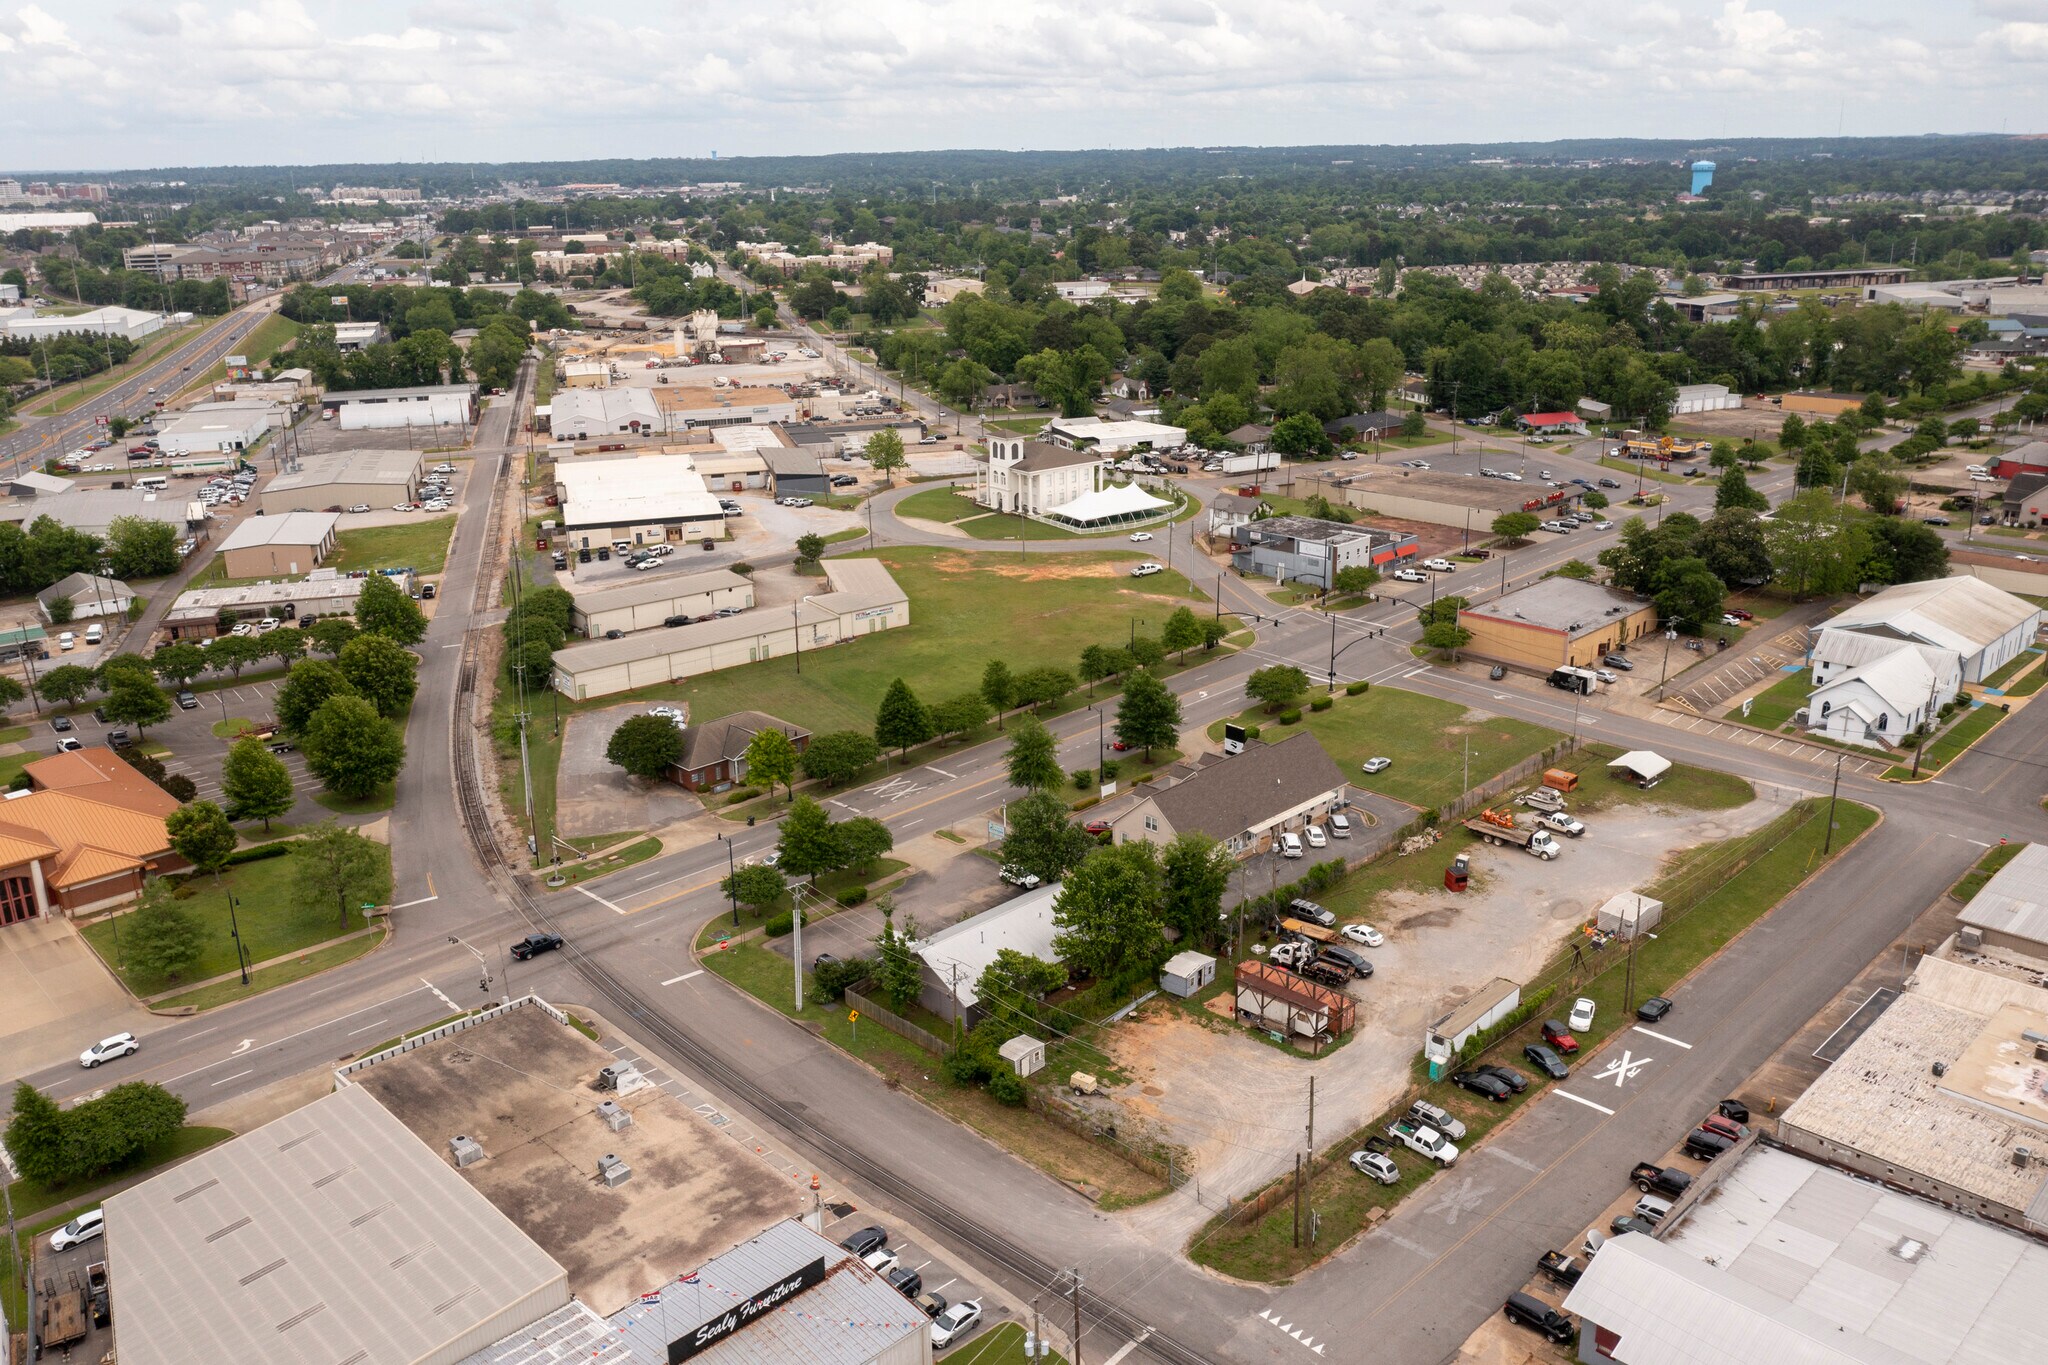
{"x": 1228, "y": 798}
{"x": 728, "y": 737}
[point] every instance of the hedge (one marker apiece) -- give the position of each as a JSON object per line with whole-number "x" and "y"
{"x": 1517, "y": 1017}
{"x": 1290, "y": 717}
{"x": 852, "y": 896}
{"x": 1353, "y": 689}
{"x": 256, "y": 853}
{"x": 779, "y": 925}
{"x": 1322, "y": 703}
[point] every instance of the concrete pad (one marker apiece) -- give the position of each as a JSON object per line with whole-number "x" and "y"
{"x": 59, "y": 996}
{"x": 524, "y": 1087}
{"x": 592, "y": 796}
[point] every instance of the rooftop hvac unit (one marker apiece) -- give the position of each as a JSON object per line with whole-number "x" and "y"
{"x": 2022, "y": 1157}
{"x": 1970, "y": 939}
{"x": 614, "y": 1117}
{"x": 612, "y": 1171}
{"x": 1941, "y": 1068}
{"x": 618, "y": 1076}
{"x": 466, "y": 1150}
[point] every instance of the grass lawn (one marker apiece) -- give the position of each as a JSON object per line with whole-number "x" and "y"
{"x": 637, "y": 852}
{"x": 377, "y": 800}
{"x": 1951, "y": 742}
{"x": 2013, "y": 667}
{"x": 1772, "y": 708}
{"x": 418, "y": 545}
{"x": 966, "y": 608}
{"x": 2028, "y": 684}
{"x": 940, "y": 504}
{"x": 830, "y": 885}
{"x": 1022, "y": 426}
{"x": 840, "y": 537}
{"x": 11, "y": 765}
{"x": 30, "y": 1198}
{"x": 1652, "y": 475}
{"x": 1426, "y": 738}
{"x": 1684, "y": 785}
{"x": 1755, "y": 873}
{"x": 273, "y": 925}
{"x": 270, "y": 978}
{"x": 1003, "y": 1346}
{"x": 1987, "y": 866}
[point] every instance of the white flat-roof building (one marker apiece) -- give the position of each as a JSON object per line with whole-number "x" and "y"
{"x": 53, "y": 220}
{"x": 863, "y": 598}
{"x": 1704, "y": 398}
{"x": 353, "y": 336}
{"x": 93, "y": 510}
{"x": 641, "y": 499}
{"x": 579, "y": 414}
{"x": 218, "y": 427}
{"x": 1097, "y": 434}
{"x": 331, "y": 1234}
{"x": 130, "y": 323}
{"x": 355, "y": 478}
{"x": 427, "y": 406}
{"x": 195, "y": 615}
{"x": 655, "y": 600}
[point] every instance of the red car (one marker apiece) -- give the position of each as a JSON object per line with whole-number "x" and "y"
{"x": 1097, "y": 827}
{"x": 1726, "y": 1127}
{"x": 138, "y": 450}
{"x": 1119, "y": 746}
{"x": 1555, "y": 1035}
{"x": 1738, "y": 613}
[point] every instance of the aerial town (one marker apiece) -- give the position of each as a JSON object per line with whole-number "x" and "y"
{"x": 1411, "y": 752}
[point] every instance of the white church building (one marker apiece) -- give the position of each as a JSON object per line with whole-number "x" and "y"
{"x": 1055, "y": 484}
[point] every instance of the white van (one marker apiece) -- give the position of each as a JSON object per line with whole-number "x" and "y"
{"x": 94, "y": 634}
{"x": 1340, "y": 825}
{"x": 67, "y": 641}
{"x": 1290, "y": 842}
{"x": 155, "y": 483}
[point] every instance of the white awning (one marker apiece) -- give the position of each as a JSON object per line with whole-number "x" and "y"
{"x": 1643, "y": 763}
{"x": 1119, "y": 502}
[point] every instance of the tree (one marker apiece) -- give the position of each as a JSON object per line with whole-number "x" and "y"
{"x": 531, "y": 664}
{"x": 1734, "y": 548}
{"x": 1576, "y": 568}
{"x": 997, "y": 688}
{"x": 1816, "y": 468}
{"x": 1042, "y": 838}
{"x": 1448, "y": 636}
{"x": 233, "y": 653}
{"x": 1195, "y": 872}
{"x": 1689, "y": 595}
{"x": 838, "y": 756}
{"x": 138, "y": 547}
{"x": 309, "y": 683}
{"x": 35, "y": 1135}
{"x": 351, "y": 748}
{"x": 884, "y": 450}
{"x": 1877, "y": 479}
{"x": 1102, "y": 661}
{"x": 1033, "y": 761}
{"x": 1183, "y": 629}
{"x": 645, "y": 745}
{"x": 962, "y": 382}
{"x": 1817, "y": 547}
{"x": 160, "y": 938}
{"x": 1733, "y": 493}
{"x": 1595, "y": 500}
{"x": 135, "y": 700}
{"x": 554, "y": 603}
{"x": 898, "y": 972}
{"x": 66, "y": 683}
{"x": 331, "y": 865}
{"x": 257, "y": 784}
{"x": 1965, "y": 429}
{"x": 808, "y": 843}
{"x": 1147, "y": 652}
{"x": 1276, "y": 685}
{"x": 754, "y": 886}
{"x": 1018, "y": 977}
{"x": 1515, "y": 525}
{"x": 1723, "y": 455}
{"x": 285, "y": 644}
{"x": 1047, "y": 686}
{"x": 1792, "y": 432}
{"x": 958, "y": 714}
{"x": 1354, "y": 578}
{"x": 901, "y": 720}
{"x": 1106, "y": 918}
{"x": 201, "y": 834}
{"x": 1299, "y": 434}
{"x": 771, "y": 759}
{"x": 1904, "y": 552}
{"x": 1148, "y": 716}
{"x": 810, "y": 548}
{"x": 380, "y": 672}
{"x": 862, "y": 840}
{"x": 329, "y": 634}
{"x": 385, "y": 609}
{"x": 1414, "y": 424}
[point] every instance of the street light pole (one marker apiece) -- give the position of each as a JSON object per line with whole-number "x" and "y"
{"x": 235, "y": 928}
{"x": 732, "y": 874}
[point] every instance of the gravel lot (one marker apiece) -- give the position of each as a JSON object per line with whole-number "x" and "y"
{"x": 593, "y": 797}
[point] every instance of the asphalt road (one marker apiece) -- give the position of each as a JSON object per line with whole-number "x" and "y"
{"x": 1426, "y": 1280}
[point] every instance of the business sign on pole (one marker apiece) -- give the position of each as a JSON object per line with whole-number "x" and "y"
{"x": 1745, "y": 706}
{"x": 236, "y": 362}
{"x": 338, "y": 300}
{"x": 717, "y": 1329}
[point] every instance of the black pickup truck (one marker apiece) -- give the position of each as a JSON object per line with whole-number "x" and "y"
{"x": 1660, "y": 1179}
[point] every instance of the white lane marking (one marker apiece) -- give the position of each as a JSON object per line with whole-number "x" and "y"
{"x": 1418, "y": 1248}
{"x": 1978, "y": 842}
{"x": 236, "y": 1077}
{"x": 1514, "y": 1160}
{"x": 456, "y": 645}
{"x": 1566, "y": 1094}
{"x": 440, "y": 995}
{"x": 245, "y": 1045}
{"x": 684, "y": 977}
{"x": 1661, "y": 1038}
{"x": 601, "y": 900}
{"x": 940, "y": 771}
{"x": 407, "y": 905}
{"x": 366, "y": 1028}
{"x": 1123, "y": 1351}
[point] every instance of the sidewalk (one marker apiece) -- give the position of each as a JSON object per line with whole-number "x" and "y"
{"x": 254, "y": 967}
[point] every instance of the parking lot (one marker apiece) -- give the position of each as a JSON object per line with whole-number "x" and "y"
{"x": 595, "y": 796}
{"x": 63, "y": 1273}
{"x": 935, "y": 1275}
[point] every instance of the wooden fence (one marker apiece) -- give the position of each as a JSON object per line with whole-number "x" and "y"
{"x": 870, "y": 1012}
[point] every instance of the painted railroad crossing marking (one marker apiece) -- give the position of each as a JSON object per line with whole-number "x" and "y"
{"x": 1466, "y": 1198}
{"x": 896, "y": 788}
{"x": 1270, "y": 1316}
{"x": 1622, "y": 1069}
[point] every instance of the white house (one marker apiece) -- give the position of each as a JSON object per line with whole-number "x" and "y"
{"x": 1985, "y": 626}
{"x": 1033, "y": 477}
{"x": 1878, "y": 702}
{"x": 954, "y": 958}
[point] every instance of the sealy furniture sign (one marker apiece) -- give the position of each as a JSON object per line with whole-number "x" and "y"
{"x": 710, "y": 1333}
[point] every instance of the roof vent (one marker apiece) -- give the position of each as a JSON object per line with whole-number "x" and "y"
{"x": 1909, "y": 1250}
{"x": 1941, "y": 1068}
{"x": 2022, "y": 1157}
{"x": 466, "y": 1150}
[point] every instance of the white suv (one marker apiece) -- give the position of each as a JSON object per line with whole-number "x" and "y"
{"x": 83, "y": 1228}
{"x": 106, "y": 1049}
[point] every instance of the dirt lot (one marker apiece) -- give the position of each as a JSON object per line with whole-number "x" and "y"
{"x": 594, "y": 797}
{"x": 522, "y": 1086}
{"x": 1239, "y": 1104}
{"x": 1759, "y": 421}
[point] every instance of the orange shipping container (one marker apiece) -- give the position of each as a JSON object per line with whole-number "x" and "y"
{"x": 1559, "y": 780}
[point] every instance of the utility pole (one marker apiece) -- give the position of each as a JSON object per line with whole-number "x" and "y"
{"x": 1297, "y": 1199}
{"x": 1927, "y": 726}
{"x": 1311, "y": 1119}
{"x": 1828, "y": 844}
{"x": 1077, "y": 1315}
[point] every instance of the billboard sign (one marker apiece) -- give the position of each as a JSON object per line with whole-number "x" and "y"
{"x": 708, "y": 1334}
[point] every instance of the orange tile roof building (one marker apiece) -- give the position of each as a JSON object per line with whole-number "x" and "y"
{"x": 82, "y": 837}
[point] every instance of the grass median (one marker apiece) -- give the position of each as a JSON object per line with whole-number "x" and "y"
{"x": 1950, "y": 744}
{"x": 1722, "y": 887}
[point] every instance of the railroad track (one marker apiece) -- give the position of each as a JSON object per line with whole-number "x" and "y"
{"x": 908, "y": 1193}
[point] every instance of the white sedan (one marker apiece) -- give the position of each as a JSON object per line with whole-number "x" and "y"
{"x": 956, "y": 1322}
{"x": 1364, "y": 933}
{"x": 1605, "y": 676}
{"x": 1377, "y": 765}
{"x": 1141, "y": 535}
{"x": 1582, "y": 1015}
{"x": 1316, "y": 837}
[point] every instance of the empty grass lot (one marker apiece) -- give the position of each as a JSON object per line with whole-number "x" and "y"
{"x": 1772, "y": 708}
{"x": 421, "y": 546}
{"x": 1426, "y": 737}
{"x": 946, "y": 505}
{"x": 273, "y": 924}
{"x": 965, "y": 609}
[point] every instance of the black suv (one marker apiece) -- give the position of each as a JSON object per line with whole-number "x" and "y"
{"x": 533, "y": 945}
{"x": 1704, "y": 1144}
{"x": 1359, "y": 963}
{"x": 868, "y": 1239}
{"x": 1531, "y": 1311}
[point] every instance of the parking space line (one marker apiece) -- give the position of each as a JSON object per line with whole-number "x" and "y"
{"x": 1566, "y": 1094}
{"x": 684, "y": 977}
{"x": 1662, "y": 1038}
{"x": 236, "y": 1077}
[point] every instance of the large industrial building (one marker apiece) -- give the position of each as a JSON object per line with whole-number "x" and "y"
{"x": 294, "y": 543}
{"x": 863, "y": 598}
{"x": 683, "y": 407}
{"x": 93, "y": 510}
{"x": 579, "y": 414}
{"x": 427, "y": 406}
{"x": 645, "y": 499}
{"x": 1555, "y": 622}
{"x": 355, "y": 478}
{"x": 642, "y": 603}
{"x": 25, "y": 324}
{"x": 196, "y": 615}
{"x": 1110, "y": 437}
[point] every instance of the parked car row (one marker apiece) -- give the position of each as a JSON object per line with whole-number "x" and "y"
{"x": 952, "y": 1321}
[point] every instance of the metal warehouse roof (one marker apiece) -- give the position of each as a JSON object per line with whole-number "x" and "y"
{"x": 332, "y": 1234}
{"x": 852, "y": 1316}
{"x": 1963, "y": 614}
{"x": 1569, "y": 605}
{"x": 640, "y": 590}
{"x": 293, "y": 528}
{"x": 356, "y": 466}
{"x": 2015, "y": 900}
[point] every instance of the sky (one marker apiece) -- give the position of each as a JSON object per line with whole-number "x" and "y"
{"x": 112, "y": 84}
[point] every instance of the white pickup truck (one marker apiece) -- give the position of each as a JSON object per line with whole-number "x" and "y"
{"x": 1427, "y": 1141}
{"x": 1563, "y": 824}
